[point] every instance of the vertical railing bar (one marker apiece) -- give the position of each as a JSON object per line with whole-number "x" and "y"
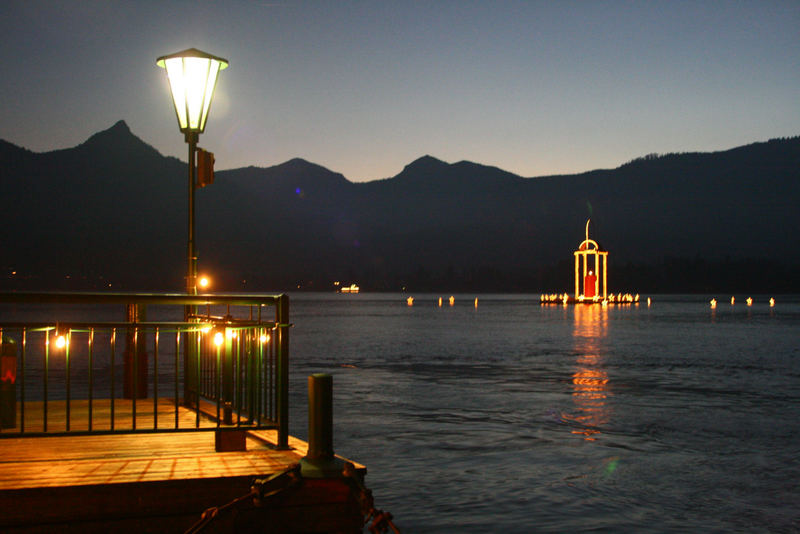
{"x": 15, "y": 371}
{"x": 66, "y": 356}
{"x": 22, "y": 373}
{"x": 177, "y": 362}
{"x": 256, "y": 379}
{"x": 244, "y": 375}
{"x": 261, "y": 384}
{"x": 196, "y": 357}
{"x": 91, "y": 375}
{"x": 155, "y": 381}
{"x": 237, "y": 378}
{"x": 273, "y": 370}
{"x": 258, "y": 353}
{"x": 205, "y": 368}
{"x": 135, "y": 392}
{"x": 265, "y": 370}
{"x": 46, "y": 376}
{"x": 268, "y": 376}
{"x": 217, "y": 385}
{"x": 249, "y": 381}
{"x": 267, "y": 381}
{"x": 252, "y": 359}
{"x": 113, "y": 350}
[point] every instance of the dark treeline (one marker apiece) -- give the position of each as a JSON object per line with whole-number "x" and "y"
{"x": 671, "y": 275}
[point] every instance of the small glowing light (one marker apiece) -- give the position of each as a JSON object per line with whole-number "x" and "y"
{"x": 61, "y": 342}
{"x": 233, "y": 334}
{"x": 476, "y": 302}
{"x": 264, "y": 338}
{"x": 749, "y": 301}
{"x": 713, "y": 303}
{"x": 218, "y": 339}
{"x": 771, "y": 302}
{"x": 452, "y": 300}
{"x": 206, "y": 329}
{"x": 733, "y": 301}
{"x": 440, "y": 302}
{"x": 203, "y": 282}
{"x": 648, "y": 301}
{"x": 410, "y": 301}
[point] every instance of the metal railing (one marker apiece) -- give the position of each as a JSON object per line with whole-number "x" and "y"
{"x": 69, "y": 365}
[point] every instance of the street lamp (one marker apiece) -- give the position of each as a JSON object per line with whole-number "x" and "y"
{"x": 192, "y": 78}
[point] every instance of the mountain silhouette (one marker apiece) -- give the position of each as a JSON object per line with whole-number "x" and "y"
{"x": 111, "y": 212}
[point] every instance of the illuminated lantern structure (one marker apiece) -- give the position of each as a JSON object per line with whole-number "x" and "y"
{"x": 591, "y": 270}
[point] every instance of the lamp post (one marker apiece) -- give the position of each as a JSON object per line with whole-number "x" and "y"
{"x": 192, "y": 78}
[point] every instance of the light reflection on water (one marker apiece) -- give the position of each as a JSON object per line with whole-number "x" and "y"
{"x": 590, "y": 380}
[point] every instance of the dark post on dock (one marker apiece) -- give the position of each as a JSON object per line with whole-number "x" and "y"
{"x": 320, "y": 461}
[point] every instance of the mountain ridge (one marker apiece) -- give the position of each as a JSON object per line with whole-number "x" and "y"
{"x": 114, "y": 207}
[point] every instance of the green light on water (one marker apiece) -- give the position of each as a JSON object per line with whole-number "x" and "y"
{"x": 611, "y": 466}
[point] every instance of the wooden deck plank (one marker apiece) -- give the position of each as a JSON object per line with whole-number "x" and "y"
{"x": 111, "y": 459}
{"x": 158, "y": 482}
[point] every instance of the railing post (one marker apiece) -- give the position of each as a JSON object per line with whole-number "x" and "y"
{"x": 227, "y": 377}
{"x": 282, "y": 318}
{"x": 135, "y": 353}
{"x": 8, "y": 383}
{"x": 191, "y": 363}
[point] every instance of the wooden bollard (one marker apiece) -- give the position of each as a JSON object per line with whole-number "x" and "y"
{"x": 320, "y": 461}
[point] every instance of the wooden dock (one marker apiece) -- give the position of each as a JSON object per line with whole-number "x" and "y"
{"x": 158, "y": 482}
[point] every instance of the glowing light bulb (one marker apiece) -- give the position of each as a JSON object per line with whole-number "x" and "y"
{"x": 61, "y": 342}
{"x": 218, "y": 339}
{"x": 203, "y": 282}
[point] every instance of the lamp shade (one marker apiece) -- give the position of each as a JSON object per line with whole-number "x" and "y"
{"x": 192, "y": 78}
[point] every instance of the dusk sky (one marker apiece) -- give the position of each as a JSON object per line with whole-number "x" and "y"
{"x": 364, "y": 88}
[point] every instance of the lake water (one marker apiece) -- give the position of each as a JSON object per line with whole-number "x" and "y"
{"x": 513, "y": 417}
